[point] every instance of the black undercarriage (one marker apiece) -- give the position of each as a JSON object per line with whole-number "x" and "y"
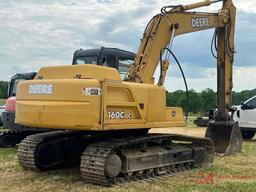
{"x": 111, "y": 158}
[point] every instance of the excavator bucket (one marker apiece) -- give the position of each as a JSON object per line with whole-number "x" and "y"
{"x": 226, "y": 136}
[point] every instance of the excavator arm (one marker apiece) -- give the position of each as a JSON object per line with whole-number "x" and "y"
{"x": 163, "y": 28}
{"x": 159, "y": 35}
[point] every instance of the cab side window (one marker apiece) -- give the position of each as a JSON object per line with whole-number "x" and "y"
{"x": 86, "y": 60}
{"x": 111, "y": 61}
{"x": 124, "y": 65}
{"x": 251, "y": 104}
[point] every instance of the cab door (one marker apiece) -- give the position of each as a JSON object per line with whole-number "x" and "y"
{"x": 248, "y": 114}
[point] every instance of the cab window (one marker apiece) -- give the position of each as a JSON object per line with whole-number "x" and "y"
{"x": 251, "y": 104}
{"x": 86, "y": 60}
{"x": 111, "y": 61}
{"x": 123, "y": 65}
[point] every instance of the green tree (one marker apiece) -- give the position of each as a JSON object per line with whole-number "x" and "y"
{"x": 176, "y": 98}
{"x": 238, "y": 97}
{"x": 179, "y": 98}
{"x": 195, "y": 102}
{"x": 209, "y": 100}
{"x": 203, "y": 101}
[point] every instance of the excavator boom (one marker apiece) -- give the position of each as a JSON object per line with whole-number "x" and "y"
{"x": 159, "y": 35}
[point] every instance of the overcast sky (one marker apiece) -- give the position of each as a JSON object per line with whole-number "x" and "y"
{"x": 36, "y": 33}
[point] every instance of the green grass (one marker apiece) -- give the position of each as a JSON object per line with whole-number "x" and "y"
{"x": 190, "y": 122}
{"x": 231, "y": 173}
{"x": 2, "y": 101}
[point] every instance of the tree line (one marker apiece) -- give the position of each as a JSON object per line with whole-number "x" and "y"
{"x": 202, "y": 102}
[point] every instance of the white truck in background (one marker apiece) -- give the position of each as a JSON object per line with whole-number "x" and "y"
{"x": 246, "y": 116}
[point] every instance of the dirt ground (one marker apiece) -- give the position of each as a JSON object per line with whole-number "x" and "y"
{"x": 191, "y": 131}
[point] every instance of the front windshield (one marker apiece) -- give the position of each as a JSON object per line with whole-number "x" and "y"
{"x": 86, "y": 60}
{"x": 13, "y": 86}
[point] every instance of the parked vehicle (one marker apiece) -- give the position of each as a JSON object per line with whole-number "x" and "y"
{"x": 1, "y": 111}
{"x": 8, "y": 115}
{"x": 246, "y": 116}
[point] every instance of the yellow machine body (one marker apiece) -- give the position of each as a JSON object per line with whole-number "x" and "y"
{"x": 90, "y": 97}
{"x": 94, "y": 98}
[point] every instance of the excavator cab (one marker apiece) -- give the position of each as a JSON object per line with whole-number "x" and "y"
{"x": 105, "y": 56}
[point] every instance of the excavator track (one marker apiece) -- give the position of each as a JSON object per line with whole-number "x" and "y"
{"x": 96, "y": 166}
{"x": 11, "y": 138}
{"x": 51, "y": 150}
{"x": 118, "y": 159}
{"x": 59, "y": 149}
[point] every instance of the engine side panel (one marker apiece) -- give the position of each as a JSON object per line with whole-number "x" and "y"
{"x": 71, "y": 105}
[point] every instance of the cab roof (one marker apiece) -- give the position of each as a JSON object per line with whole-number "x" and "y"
{"x": 26, "y": 76}
{"x": 105, "y": 50}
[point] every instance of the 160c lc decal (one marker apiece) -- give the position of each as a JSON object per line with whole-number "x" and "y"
{"x": 119, "y": 115}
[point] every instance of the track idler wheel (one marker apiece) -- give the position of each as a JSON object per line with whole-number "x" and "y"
{"x": 226, "y": 136}
{"x": 113, "y": 166}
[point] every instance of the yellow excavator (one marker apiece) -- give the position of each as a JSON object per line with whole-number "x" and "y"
{"x": 106, "y": 119}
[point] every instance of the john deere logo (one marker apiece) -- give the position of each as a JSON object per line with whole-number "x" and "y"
{"x": 40, "y": 89}
{"x": 200, "y": 22}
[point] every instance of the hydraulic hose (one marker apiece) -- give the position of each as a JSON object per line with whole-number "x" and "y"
{"x": 182, "y": 73}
